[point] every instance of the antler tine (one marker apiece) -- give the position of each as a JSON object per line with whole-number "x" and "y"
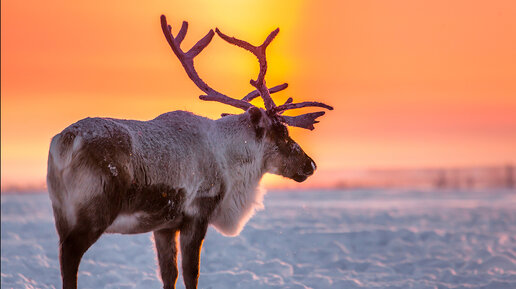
{"x": 254, "y": 94}
{"x": 289, "y": 100}
{"x": 259, "y": 52}
{"x": 306, "y": 121}
{"x": 263, "y": 59}
{"x": 290, "y": 105}
{"x": 186, "y": 60}
{"x": 181, "y": 34}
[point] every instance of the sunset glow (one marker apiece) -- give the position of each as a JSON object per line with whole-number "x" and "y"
{"x": 413, "y": 83}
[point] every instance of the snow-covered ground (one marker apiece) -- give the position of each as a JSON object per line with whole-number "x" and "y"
{"x": 306, "y": 239}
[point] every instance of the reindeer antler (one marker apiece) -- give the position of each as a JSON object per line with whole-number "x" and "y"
{"x": 304, "y": 121}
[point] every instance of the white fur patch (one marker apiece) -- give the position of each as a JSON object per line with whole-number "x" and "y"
{"x": 125, "y": 223}
{"x": 79, "y": 185}
{"x": 236, "y": 210}
{"x": 80, "y": 188}
{"x": 112, "y": 168}
{"x": 77, "y": 143}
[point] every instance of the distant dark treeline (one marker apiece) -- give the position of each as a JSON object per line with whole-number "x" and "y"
{"x": 496, "y": 177}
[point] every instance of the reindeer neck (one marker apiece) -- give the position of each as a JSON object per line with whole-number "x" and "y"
{"x": 244, "y": 160}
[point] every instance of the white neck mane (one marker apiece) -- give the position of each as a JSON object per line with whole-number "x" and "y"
{"x": 244, "y": 196}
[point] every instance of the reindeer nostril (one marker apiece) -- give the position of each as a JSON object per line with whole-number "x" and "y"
{"x": 309, "y": 167}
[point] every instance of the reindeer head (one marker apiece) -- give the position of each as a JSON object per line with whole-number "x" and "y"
{"x": 283, "y": 155}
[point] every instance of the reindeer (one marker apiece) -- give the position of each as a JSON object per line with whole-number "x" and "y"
{"x": 173, "y": 175}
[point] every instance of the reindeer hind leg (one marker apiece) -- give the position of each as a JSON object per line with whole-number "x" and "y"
{"x": 71, "y": 250}
{"x": 92, "y": 221}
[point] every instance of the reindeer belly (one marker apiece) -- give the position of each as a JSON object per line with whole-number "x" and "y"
{"x": 147, "y": 208}
{"x": 141, "y": 222}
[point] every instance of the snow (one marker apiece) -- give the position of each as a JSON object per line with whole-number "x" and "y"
{"x": 304, "y": 239}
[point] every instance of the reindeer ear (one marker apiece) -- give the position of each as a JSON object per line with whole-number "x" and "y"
{"x": 256, "y": 115}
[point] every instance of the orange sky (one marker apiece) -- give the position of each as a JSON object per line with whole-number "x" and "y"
{"x": 414, "y": 83}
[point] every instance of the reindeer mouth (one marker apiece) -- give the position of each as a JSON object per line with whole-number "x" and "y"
{"x": 299, "y": 178}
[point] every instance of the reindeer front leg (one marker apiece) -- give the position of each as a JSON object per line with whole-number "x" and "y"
{"x": 191, "y": 237}
{"x": 166, "y": 248}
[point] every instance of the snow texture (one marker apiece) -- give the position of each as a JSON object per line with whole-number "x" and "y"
{"x": 306, "y": 239}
